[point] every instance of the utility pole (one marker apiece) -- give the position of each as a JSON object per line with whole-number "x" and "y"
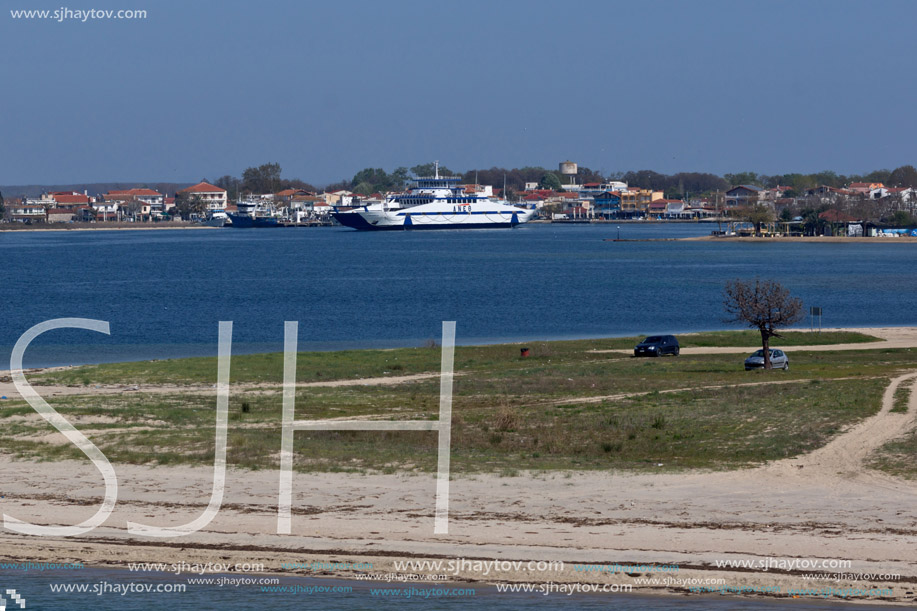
{"x": 716, "y": 205}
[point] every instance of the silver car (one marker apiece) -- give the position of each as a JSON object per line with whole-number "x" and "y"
{"x": 779, "y": 360}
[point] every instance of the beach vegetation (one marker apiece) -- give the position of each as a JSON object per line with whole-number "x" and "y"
{"x": 900, "y": 399}
{"x": 565, "y": 407}
{"x": 353, "y": 365}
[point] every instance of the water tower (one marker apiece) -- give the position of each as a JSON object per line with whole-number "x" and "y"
{"x": 568, "y": 168}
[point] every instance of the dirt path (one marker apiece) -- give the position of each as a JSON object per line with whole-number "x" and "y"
{"x": 843, "y": 458}
{"x": 8, "y": 389}
{"x": 892, "y": 337}
{"x": 628, "y": 395}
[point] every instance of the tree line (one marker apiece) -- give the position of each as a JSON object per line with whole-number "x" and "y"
{"x": 903, "y": 176}
{"x": 377, "y": 180}
{"x": 267, "y": 178}
{"x": 675, "y": 186}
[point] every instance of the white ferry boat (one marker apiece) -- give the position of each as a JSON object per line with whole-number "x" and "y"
{"x": 435, "y": 202}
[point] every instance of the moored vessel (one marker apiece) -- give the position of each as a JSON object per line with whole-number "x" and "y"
{"x": 435, "y": 202}
{"x": 254, "y": 214}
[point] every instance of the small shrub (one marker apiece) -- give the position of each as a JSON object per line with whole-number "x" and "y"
{"x": 506, "y": 420}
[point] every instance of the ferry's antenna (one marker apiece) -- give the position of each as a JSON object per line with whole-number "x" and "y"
{"x": 436, "y": 169}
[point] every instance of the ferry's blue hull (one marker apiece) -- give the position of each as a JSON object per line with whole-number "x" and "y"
{"x": 244, "y": 222}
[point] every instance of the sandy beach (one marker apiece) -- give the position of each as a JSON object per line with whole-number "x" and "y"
{"x": 825, "y": 506}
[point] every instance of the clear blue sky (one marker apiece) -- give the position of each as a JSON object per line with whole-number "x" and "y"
{"x": 205, "y": 88}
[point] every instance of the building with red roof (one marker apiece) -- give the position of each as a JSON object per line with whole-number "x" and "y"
{"x": 836, "y": 216}
{"x": 72, "y": 202}
{"x": 148, "y": 196}
{"x": 144, "y": 202}
{"x": 212, "y": 195}
{"x": 69, "y": 200}
{"x": 26, "y": 211}
{"x": 864, "y": 187}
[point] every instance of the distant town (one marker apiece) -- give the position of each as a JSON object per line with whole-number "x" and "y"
{"x": 760, "y": 204}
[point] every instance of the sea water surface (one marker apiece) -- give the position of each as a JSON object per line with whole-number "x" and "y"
{"x": 164, "y": 292}
{"x": 122, "y": 590}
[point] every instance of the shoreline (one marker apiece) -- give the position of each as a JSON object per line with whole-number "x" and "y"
{"x": 884, "y": 329}
{"x": 57, "y": 227}
{"x": 524, "y": 518}
{"x": 805, "y": 239}
{"x": 68, "y": 227}
{"x": 889, "y": 338}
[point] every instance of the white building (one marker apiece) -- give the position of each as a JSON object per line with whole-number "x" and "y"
{"x": 212, "y": 195}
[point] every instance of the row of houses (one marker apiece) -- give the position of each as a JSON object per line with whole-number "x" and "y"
{"x": 743, "y": 195}
{"x": 144, "y": 204}
{"x": 617, "y": 200}
{"x": 116, "y": 205}
{"x": 612, "y": 199}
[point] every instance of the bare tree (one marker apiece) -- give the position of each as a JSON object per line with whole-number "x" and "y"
{"x": 764, "y": 305}
{"x": 133, "y": 207}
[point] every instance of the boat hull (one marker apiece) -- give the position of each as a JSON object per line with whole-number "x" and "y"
{"x": 244, "y": 222}
{"x": 412, "y": 221}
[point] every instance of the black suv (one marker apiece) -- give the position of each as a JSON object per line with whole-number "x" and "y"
{"x": 657, "y": 345}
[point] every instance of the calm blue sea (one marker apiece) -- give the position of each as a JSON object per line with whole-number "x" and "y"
{"x": 164, "y": 292}
{"x": 105, "y": 591}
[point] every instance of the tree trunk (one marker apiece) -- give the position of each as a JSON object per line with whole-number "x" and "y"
{"x": 765, "y": 344}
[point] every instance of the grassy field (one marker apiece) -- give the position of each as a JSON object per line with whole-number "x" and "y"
{"x": 354, "y": 364}
{"x": 721, "y": 428}
{"x": 562, "y": 408}
{"x": 897, "y": 457}
{"x": 902, "y": 394}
